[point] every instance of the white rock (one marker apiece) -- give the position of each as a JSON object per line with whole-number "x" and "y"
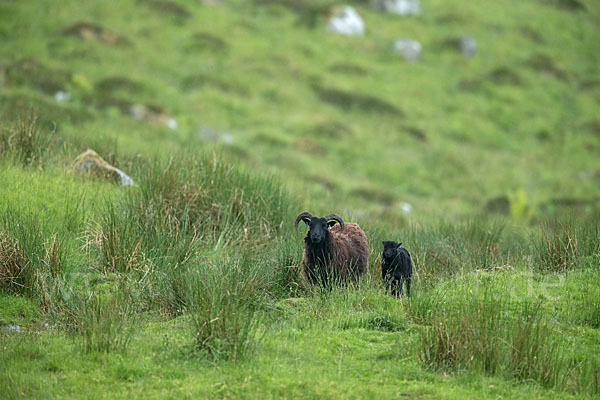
{"x": 410, "y": 49}
{"x": 61, "y": 96}
{"x": 401, "y": 7}
{"x": 171, "y": 123}
{"x": 138, "y": 111}
{"x": 346, "y": 21}
{"x": 227, "y": 138}
{"x": 125, "y": 179}
{"x": 406, "y": 208}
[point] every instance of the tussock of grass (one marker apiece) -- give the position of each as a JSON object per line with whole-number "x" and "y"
{"x": 105, "y": 318}
{"x": 25, "y": 142}
{"x": 223, "y": 298}
{"x": 565, "y": 243}
{"x": 26, "y": 253}
{"x": 480, "y": 329}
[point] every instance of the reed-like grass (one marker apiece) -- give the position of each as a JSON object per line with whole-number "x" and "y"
{"x": 222, "y": 301}
{"x": 480, "y": 329}
{"x": 105, "y": 318}
{"x": 564, "y": 243}
{"x": 26, "y": 253}
{"x": 25, "y": 142}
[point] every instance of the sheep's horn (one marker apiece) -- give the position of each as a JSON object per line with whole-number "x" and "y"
{"x": 303, "y": 216}
{"x": 337, "y": 218}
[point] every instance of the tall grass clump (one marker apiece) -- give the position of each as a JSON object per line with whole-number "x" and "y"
{"x": 24, "y": 142}
{"x": 287, "y": 278}
{"x": 26, "y": 253}
{"x": 444, "y": 249}
{"x": 480, "y": 330}
{"x": 563, "y": 243}
{"x": 580, "y": 304}
{"x": 105, "y": 318}
{"x": 227, "y": 202}
{"x": 186, "y": 201}
{"x": 181, "y": 212}
{"x": 152, "y": 247}
{"x": 223, "y": 298}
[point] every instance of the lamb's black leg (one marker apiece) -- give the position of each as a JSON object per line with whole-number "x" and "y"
{"x": 408, "y": 286}
{"x": 396, "y": 285}
{"x": 400, "y": 286}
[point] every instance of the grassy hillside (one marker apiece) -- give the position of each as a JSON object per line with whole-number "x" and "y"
{"x": 234, "y": 116}
{"x": 344, "y": 116}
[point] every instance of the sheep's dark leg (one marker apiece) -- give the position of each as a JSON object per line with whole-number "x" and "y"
{"x": 311, "y": 276}
{"x": 408, "y": 286}
{"x": 400, "y": 286}
{"x": 395, "y": 287}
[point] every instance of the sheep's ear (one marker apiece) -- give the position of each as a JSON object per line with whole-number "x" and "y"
{"x": 399, "y": 244}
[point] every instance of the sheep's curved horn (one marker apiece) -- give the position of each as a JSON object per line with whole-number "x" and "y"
{"x": 337, "y": 218}
{"x": 303, "y": 216}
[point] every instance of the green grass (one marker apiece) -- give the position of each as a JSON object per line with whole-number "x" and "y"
{"x": 189, "y": 283}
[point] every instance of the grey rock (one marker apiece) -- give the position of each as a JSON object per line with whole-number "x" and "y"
{"x": 152, "y": 113}
{"x": 467, "y": 45}
{"x": 400, "y": 7}
{"x": 410, "y": 49}
{"x": 13, "y": 328}
{"x": 91, "y": 163}
{"x": 210, "y": 133}
{"x": 346, "y": 21}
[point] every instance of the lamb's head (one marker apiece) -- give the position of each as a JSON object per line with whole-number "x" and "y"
{"x": 390, "y": 249}
{"x": 318, "y": 228}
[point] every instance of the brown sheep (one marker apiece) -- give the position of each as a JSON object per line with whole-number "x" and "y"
{"x": 334, "y": 251}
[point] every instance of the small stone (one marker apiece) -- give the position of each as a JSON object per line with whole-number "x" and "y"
{"x": 152, "y": 113}
{"x": 210, "y": 133}
{"x": 346, "y": 21}
{"x": 467, "y": 45}
{"x": 410, "y": 49}
{"x": 406, "y": 208}
{"x": 227, "y": 138}
{"x": 171, "y": 123}
{"x": 62, "y": 96}
{"x": 400, "y": 7}
{"x": 13, "y": 328}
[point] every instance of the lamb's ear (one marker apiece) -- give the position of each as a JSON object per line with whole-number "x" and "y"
{"x": 399, "y": 244}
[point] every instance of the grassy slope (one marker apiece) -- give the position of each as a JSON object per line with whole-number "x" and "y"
{"x": 528, "y": 128}
{"x": 482, "y": 141}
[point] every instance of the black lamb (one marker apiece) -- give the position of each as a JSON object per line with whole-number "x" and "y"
{"x": 396, "y": 267}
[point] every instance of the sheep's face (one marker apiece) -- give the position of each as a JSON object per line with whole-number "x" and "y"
{"x": 318, "y": 230}
{"x": 390, "y": 249}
